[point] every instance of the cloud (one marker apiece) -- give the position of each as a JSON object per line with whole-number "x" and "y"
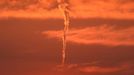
{"x": 41, "y": 14}
{"x": 96, "y": 69}
{"x": 105, "y": 35}
{"x": 103, "y": 70}
{"x": 122, "y": 68}
{"x": 119, "y": 9}
{"x": 29, "y": 9}
{"x": 103, "y": 8}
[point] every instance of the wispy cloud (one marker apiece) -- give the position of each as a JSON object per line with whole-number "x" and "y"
{"x": 96, "y": 69}
{"x": 105, "y": 70}
{"x": 29, "y": 9}
{"x": 105, "y": 35}
{"x": 103, "y": 8}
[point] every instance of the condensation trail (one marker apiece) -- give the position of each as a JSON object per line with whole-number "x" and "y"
{"x": 63, "y": 6}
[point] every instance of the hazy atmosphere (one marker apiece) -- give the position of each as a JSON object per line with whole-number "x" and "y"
{"x": 99, "y": 41}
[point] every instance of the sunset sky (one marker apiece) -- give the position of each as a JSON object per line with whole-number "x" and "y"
{"x": 100, "y": 40}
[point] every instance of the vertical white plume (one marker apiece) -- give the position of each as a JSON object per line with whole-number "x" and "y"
{"x": 63, "y": 6}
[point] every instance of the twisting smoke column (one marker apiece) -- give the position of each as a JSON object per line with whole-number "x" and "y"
{"x": 63, "y": 6}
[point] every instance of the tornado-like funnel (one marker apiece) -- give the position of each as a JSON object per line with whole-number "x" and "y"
{"x": 63, "y": 6}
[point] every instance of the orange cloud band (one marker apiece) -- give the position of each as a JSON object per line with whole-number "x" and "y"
{"x": 105, "y": 35}
{"x": 78, "y": 9}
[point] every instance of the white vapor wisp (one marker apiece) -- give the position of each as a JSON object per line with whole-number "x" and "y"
{"x": 63, "y": 6}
